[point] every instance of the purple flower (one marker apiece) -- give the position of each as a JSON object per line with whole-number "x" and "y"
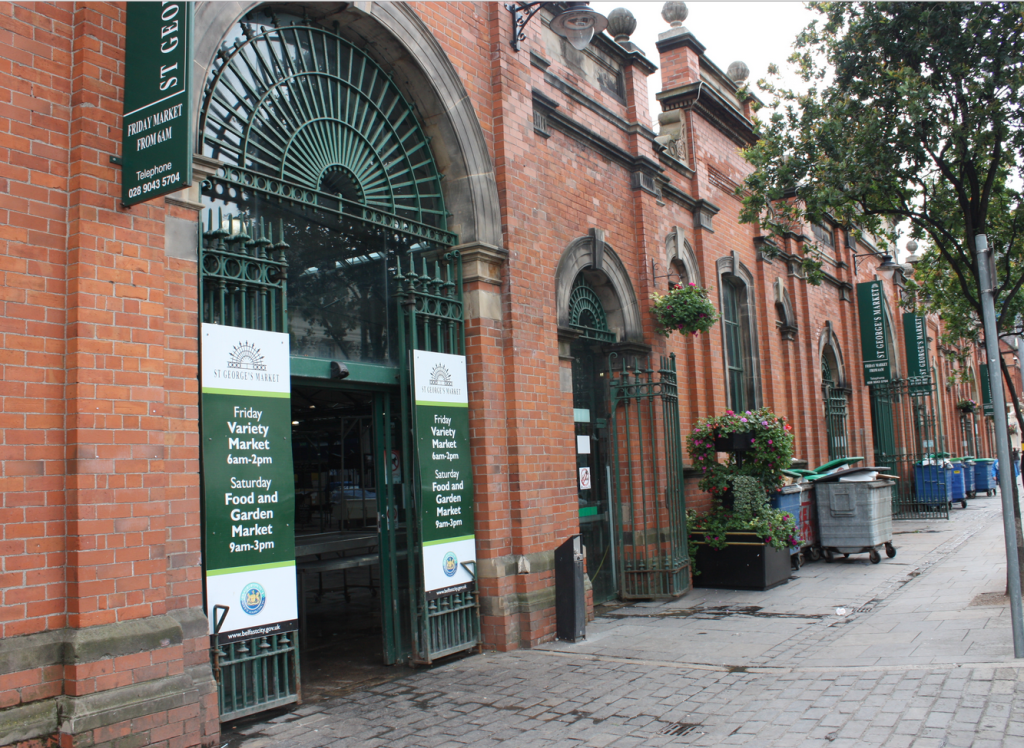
{"x": 764, "y": 423}
{"x": 743, "y": 420}
{"x": 751, "y": 441}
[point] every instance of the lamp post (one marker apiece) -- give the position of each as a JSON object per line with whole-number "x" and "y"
{"x": 577, "y": 22}
{"x": 986, "y": 282}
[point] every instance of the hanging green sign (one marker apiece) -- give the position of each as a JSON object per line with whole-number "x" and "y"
{"x": 915, "y": 337}
{"x": 446, "y": 473}
{"x": 156, "y": 140}
{"x": 248, "y": 481}
{"x": 986, "y": 392}
{"x": 874, "y": 343}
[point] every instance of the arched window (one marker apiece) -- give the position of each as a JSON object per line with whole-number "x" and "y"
{"x": 739, "y": 335}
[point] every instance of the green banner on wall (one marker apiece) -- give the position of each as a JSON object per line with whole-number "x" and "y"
{"x": 156, "y": 139}
{"x": 248, "y": 481}
{"x": 987, "y": 408}
{"x": 874, "y": 343}
{"x": 915, "y": 337}
{"x": 446, "y": 473}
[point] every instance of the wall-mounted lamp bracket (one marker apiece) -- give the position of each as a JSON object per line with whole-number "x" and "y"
{"x": 522, "y": 13}
{"x": 672, "y": 284}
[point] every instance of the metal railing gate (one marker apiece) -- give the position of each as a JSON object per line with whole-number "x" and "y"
{"x": 242, "y": 283}
{"x": 649, "y": 507}
{"x": 906, "y": 430}
{"x": 430, "y": 299}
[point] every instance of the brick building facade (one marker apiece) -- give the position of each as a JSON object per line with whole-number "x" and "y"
{"x": 560, "y": 185}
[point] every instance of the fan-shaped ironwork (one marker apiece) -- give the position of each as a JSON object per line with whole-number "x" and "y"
{"x": 302, "y": 106}
{"x": 586, "y": 313}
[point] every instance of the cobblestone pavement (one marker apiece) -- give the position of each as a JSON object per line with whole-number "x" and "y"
{"x": 914, "y": 651}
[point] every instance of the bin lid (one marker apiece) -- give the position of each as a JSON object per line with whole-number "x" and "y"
{"x": 797, "y": 472}
{"x": 833, "y": 464}
{"x": 984, "y": 459}
{"x": 847, "y": 472}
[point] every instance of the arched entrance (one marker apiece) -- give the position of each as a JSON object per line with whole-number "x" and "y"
{"x": 326, "y": 220}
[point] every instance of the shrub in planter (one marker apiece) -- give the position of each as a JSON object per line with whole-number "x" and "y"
{"x": 749, "y": 524}
{"x": 685, "y": 309}
{"x": 967, "y": 406}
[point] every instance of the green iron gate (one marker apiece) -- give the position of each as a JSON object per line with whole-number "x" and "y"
{"x": 650, "y": 510}
{"x": 314, "y": 138}
{"x": 430, "y": 299}
{"x": 835, "y": 414}
{"x": 906, "y": 431}
{"x": 242, "y": 283}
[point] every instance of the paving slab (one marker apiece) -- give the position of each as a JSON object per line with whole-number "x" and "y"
{"x": 844, "y": 654}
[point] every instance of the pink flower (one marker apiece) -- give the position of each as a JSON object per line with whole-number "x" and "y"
{"x": 769, "y": 441}
{"x": 751, "y": 441}
{"x": 729, "y": 413}
{"x": 743, "y": 420}
{"x": 764, "y": 423}
{"x": 693, "y": 285}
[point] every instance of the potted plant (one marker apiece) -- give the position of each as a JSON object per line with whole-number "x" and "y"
{"x": 759, "y": 442}
{"x": 745, "y": 548}
{"x": 967, "y": 406}
{"x": 684, "y": 309}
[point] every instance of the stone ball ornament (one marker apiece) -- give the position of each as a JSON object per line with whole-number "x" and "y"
{"x": 738, "y": 71}
{"x": 675, "y": 13}
{"x": 621, "y": 23}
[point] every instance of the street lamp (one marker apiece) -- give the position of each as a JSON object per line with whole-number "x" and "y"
{"x": 577, "y": 22}
{"x": 885, "y": 270}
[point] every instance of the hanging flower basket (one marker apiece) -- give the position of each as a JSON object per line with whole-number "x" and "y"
{"x": 967, "y": 406}
{"x": 686, "y": 310}
{"x": 760, "y": 443}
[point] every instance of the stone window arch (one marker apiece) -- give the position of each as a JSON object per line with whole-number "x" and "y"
{"x": 680, "y": 257}
{"x": 784, "y": 306}
{"x": 606, "y": 275}
{"x": 739, "y": 334}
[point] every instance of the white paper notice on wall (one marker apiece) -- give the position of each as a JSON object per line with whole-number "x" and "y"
{"x": 584, "y": 478}
{"x": 583, "y": 444}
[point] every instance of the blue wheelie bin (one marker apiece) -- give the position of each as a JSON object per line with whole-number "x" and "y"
{"x": 969, "y": 471}
{"x": 985, "y": 476}
{"x": 959, "y": 486}
{"x": 933, "y": 482}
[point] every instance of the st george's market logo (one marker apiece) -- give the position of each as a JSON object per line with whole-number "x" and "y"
{"x": 440, "y": 382}
{"x": 246, "y": 363}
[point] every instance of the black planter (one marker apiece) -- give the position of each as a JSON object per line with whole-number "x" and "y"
{"x": 734, "y": 442}
{"x": 744, "y": 564}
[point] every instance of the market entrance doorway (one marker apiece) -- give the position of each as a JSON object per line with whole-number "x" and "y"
{"x": 351, "y": 549}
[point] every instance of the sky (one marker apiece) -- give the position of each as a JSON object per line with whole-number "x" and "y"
{"x": 756, "y": 33}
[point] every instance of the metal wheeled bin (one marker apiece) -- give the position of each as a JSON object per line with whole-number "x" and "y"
{"x": 855, "y": 517}
{"x": 985, "y": 476}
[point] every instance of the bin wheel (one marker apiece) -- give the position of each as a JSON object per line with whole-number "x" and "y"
{"x": 796, "y": 561}
{"x": 875, "y": 556}
{"x": 815, "y": 553}
{"x": 829, "y": 558}
{"x": 963, "y": 504}
{"x": 950, "y": 505}
{"x": 846, "y": 555}
{"x": 890, "y": 550}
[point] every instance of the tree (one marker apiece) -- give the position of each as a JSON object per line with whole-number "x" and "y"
{"x": 913, "y": 117}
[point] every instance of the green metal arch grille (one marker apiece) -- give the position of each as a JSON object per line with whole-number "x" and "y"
{"x": 826, "y": 372}
{"x": 292, "y": 106}
{"x": 586, "y": 313}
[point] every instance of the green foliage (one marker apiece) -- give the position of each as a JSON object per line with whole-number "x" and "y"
{"x": 749, "y": 498}
{"x": 686, "y": 309}
{"x": 770, "y": 453}
{"x": 913, "y": 115}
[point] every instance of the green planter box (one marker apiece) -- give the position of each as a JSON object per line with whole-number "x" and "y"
{"x": 744, "y": 564}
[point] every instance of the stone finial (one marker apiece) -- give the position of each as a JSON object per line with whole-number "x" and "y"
{"x": 675, "y": 14}
{"x": 738, "y": 71}
{"x": 912, "y": 246}
{"x": 621, "y": 24}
